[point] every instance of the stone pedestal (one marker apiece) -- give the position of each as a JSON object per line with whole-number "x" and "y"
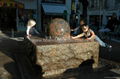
{"x": 55, "y": 57}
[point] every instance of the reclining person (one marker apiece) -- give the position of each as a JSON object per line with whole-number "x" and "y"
{"x": 89, "y": 34}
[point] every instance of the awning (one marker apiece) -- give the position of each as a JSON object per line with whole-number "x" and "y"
{"x": 54, "y": 8}
{"x": 10, "y": 3}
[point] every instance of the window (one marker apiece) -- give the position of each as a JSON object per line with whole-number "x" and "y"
{"x": 54, "y": 1}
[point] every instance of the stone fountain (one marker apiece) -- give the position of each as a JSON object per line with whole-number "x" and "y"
{"x": 59, "y": 52}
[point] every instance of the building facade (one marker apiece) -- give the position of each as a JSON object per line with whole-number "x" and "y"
{"x": 28, "y": 12}
{"x": 8, "y": 13}
{"x": 99, "y": 11}
{"x": 43, "y": 11}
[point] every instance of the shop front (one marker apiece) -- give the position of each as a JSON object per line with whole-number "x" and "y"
{"x": 8, "y": 14}
{"x": 23, "y": 16}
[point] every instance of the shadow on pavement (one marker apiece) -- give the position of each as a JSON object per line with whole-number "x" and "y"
{"x": 16, "y": 61}
{"x": 14, "y": 33}
{"x": 13, "y": 70}
{"x": 114, "y": 54}
{"x": 85, "y": 71}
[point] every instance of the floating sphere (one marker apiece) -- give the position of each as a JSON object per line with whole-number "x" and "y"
{"x": 59, "y": 28}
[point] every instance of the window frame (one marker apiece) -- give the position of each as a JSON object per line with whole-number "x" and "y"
{"x": 54, "y": 1}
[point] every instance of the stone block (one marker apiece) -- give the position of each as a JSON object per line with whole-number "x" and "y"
{"x": 55, "y": 57}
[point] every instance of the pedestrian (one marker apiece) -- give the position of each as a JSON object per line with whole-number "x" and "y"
{"x": 89, "y": 34}
{"x": 112, "y": 22}
{"x": 31, "y": 29}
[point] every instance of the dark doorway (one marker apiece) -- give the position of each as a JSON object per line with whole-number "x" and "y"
{"x": 7, "y": 18}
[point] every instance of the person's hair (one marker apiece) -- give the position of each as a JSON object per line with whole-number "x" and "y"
{"x": 84, "y": 25}
{"x": 83, "y": 20}
{"x": 31, "y": 23}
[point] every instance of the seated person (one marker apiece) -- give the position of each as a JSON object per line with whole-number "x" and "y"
{"x": 88, "y": 34}
{"x": 30, "y": 28}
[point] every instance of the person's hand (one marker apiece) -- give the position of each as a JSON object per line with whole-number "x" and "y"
{"x": 29, "y": 35}
{"x": 73, "y": 37}
{"x": 72, "y": 30}
{"x": 88, "y": 39}
{"x": 76, "y": 38}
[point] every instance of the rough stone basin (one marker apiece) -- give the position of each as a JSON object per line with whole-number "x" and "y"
{"x": 55, "y": 57}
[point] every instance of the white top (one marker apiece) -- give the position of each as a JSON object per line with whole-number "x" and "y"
{"x": 28, "y": 30}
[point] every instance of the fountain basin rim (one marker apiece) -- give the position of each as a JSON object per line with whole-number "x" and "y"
{"x": 41, "y": 41}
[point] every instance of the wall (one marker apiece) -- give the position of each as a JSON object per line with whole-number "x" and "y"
{"x": 68, "y": 5}
{"x": 29, "y": 4}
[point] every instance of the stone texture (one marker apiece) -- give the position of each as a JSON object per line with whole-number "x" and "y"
{"x": 56, "y": 58}
{"x": 4, "y": 74}
{"x": 59, "y": 28}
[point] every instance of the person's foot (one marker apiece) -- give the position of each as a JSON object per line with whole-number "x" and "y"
{"x": 109, "y": 48}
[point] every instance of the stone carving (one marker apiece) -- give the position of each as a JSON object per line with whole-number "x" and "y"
{"x": 59, "y": 28}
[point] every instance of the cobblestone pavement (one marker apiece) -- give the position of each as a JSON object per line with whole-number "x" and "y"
{"x": 9, "y": 46}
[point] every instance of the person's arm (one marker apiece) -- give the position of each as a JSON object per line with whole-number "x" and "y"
{"x": 28, "y": 31}
{"x": 75, "y": 29}
{"x": 78, "y": 36}
{"x": 36, "y": 31}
